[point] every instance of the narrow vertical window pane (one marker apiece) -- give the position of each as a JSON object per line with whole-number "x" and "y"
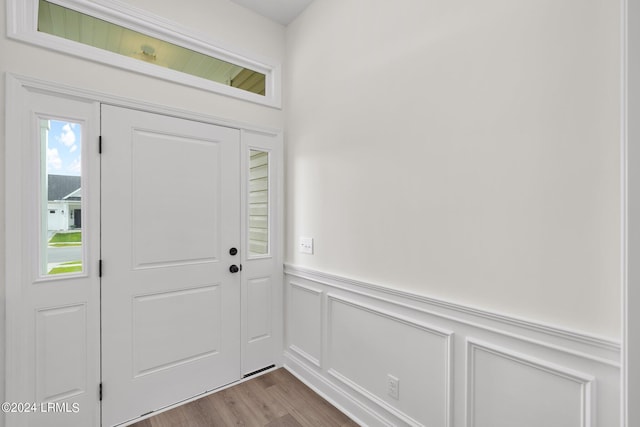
{"x": 258, "y": 203}
{"x": 61, "y": 198}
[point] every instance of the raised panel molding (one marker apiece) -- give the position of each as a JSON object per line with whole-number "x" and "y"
{"x": 181, "y": 311}
{"x": 61, "y": 370}
{"x": 494, "y": 365}
{"x": 193, "y": 241}
{"x": 503, "y": 401}
{"x": 304, "y": 322}
{"x": 259, "y": 309}
{"x": 432, "y": 362}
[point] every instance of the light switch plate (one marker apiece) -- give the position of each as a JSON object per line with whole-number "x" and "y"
{"x": 306, "y": 245}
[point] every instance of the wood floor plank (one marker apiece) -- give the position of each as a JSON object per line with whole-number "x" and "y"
{"x": 173, "y": 418}
{"x": 210, "y": 416}
{"x": 307, "y": 407}
{"x": 282, "y": 377}
{"x": 227, "y": 404}
{"x": 258, "y": 396}
{"x": 284, "y": 421}
{"x": 246, "y": 409}
{"x": 266, "y": 380}
{"x": 314, "y": 407}
{"x": 274, "y": 399}
{"x": 225, "y": 410}
{"x": 144, "y": 423}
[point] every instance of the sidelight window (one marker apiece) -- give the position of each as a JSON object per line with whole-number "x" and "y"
{"x": 61, "y": 250}
{"x": 258, "y": 203}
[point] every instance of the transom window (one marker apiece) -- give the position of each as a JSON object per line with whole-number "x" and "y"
{"x": 122, "y": 36}
{"x": 72, "y": 25}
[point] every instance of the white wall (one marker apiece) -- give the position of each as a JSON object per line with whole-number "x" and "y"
{"x": 214, "y": 19}
{"x": 467, "y": 151}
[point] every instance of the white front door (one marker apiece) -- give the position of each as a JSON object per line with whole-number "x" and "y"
{"x": 170, "y": 301}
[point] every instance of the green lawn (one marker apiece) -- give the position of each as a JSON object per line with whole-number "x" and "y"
{"x": 67, "y": 267}
{"x": 67, "y": 237}
{"x": 76, "y": 268}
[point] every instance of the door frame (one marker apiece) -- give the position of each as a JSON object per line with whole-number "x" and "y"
{"x": 17, "y": 89}
{"x": 145, "y": 154}
{"x": 630, "y": 141}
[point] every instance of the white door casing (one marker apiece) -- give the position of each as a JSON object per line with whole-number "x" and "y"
{"x": 53, "y": 328}
{"x": 170, "y": 304}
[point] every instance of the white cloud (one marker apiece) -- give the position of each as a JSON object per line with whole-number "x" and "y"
{"x": 53, "y": 159}
{"x": 75, "y": 168}
{"x": 68, "y": 136}
{"x": 73, "y": 148}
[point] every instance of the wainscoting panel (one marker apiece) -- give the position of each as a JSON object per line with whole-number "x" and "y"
{"x": 304, "y": 322}
{"x": 390, "y": 358}
{"x": 367, "y": 346}
{"x": 524, "y": 391}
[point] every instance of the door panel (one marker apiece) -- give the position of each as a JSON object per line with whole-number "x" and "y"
{"x": 188, "y": 316}
{"x": 177, "y": 189}
{"x": 170, "y": 305}
{"x": 61, "y": 368}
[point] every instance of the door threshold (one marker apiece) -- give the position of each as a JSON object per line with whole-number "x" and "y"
{"x": 247, "y": 377}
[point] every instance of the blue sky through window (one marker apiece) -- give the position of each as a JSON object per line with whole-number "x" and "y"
{"x": 64, "y": 148}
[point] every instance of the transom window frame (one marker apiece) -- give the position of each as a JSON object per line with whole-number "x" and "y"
{"x": 22, "y": 25}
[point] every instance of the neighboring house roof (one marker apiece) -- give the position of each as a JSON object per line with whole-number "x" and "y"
{"x": 61, "y": 186}
{"x": 76, "y": 195}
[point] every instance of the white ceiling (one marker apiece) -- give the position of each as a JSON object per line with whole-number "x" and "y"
{"x": 282, "y": 11}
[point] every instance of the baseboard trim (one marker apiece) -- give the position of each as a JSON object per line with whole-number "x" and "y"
{"x": 351, "y": 407}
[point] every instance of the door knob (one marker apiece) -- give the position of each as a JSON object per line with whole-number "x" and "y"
{"x": 234, "y": 268}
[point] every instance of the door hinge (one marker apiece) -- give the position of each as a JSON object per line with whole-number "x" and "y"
{"x": 100, "y": 144}
{"x": 99, "y": 268}
{"x": 100, "y": 391}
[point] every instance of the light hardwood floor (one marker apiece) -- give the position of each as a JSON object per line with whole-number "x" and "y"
{"x": 275, "y": 399}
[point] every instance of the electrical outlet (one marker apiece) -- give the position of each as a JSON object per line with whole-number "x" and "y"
{"x": 306, "y": 245}
{"x": 393, "y": 387}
